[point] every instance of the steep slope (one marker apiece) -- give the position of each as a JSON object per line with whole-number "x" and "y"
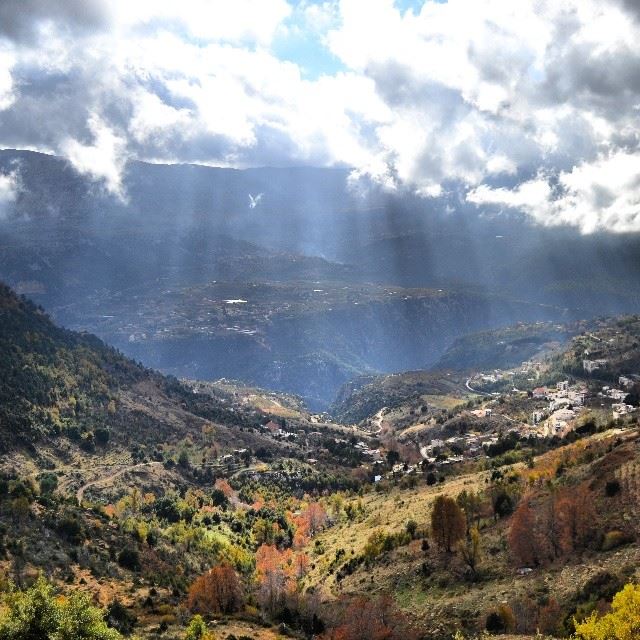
{"x": 504, "y": 348}
{"x": 70, "y": 389}
{"x": 387, "y": 550}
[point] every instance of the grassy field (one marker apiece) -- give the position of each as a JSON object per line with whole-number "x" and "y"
{"x": 433, "y": 587}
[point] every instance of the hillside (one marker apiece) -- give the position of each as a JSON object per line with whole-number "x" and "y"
{"x": 413, "y": 392}
{"x": 387, "y": 549}
{"x": 134, "y": 488}
{"x": 395, "y": 238}
{"x": 68, "y": 387}
{"x": 305, "y": 338}
{"x": 506, "y": 347}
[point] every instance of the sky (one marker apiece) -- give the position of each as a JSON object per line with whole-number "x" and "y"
{"x": 520, "y": 105}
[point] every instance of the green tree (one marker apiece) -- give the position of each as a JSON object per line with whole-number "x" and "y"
{"x": 79, "y": 620}
{"x": 38, "y": 614}
{"x": 393, "y": 457}
{"x": 31, "y": 614}
{"x": 470, "y": 550}
{"x": 197, "y": 630}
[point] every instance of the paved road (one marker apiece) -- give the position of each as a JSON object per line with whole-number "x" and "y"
{"x": 480, "y": 393}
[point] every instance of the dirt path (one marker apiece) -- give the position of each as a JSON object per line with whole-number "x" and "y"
{"x": 377, "y": 421}
{"x": 111, "y": 478}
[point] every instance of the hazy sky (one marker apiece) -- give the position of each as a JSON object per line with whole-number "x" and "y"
{"x": 540, "y": 97}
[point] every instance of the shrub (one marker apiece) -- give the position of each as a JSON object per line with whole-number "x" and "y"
{"x": 48, "y": 483}
{"x": 197, "y": 630}
{"x": 102, "y": 435}
{"x": 614, "y": 539}
{"x": 411, "y": 528}
{"x": 501, "y": 620}
{"x": 612, "y": 488}
{"x": 71, "y": 528}
{"x": 120, "y": 618}
{"x": 129, "y": 559}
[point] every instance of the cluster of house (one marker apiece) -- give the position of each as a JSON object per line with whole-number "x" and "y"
{"x": 619, "y": 407}
{"x": 314, "y": 439}
{"x": 565, "y": 402}
{"x": 471, "y": 445}
{"x": 236, "y": 456}
{"x": 531, "y": 366}
{"x": 365, "y": 450}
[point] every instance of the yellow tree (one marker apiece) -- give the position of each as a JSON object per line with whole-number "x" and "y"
{"x": 623, "y": 623}
{"x": 470, "y": 550}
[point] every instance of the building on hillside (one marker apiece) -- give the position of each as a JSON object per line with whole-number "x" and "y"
{"x": 273, "y": 427}
{"x": 558, "y": 421}
{"x": 577, "y": 397}
{"x": 621, "y": 409}
{"x": 537, "y": 417}
{"x": 593, "y": 365}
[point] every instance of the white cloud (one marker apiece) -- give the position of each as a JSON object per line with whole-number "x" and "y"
{"x": 103, "y": 160}
{"x": 8, "y": 191}
{"x": 7, "y": 95}
{"x": 533, "y": 196}
{"x": 237, "y": 21}
{"x": 453, "y": 93}
{"x": 593, "y": 196}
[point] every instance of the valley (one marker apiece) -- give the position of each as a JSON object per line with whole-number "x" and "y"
{"x": 205, "y": 286}
{"x": 140, "y": 483}
{"x": 319, "y": 320}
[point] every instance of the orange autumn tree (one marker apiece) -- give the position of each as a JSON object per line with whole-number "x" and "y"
{"x": 448, "y": 523}
{"x": 577, "y": 513}
{"x": 316, "y": 517}
{"x": 275, "y": 575}
{"x": 522, "y": 534}
{"x": 222, "y": 485}
{"x": 217, "y": 591}
{"x": 562, "y": 521}
{"x": 308, "y": 523}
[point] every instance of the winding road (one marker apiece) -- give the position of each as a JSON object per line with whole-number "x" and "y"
{"x": 114, "y": 476}
{"x": 480, "y": 393}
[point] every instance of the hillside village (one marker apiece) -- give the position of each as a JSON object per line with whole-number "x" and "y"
{"x": 144, "y": 487}
{"x": 496, "y": 423}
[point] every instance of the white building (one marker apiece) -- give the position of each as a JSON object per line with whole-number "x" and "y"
{"x": 621, "y": 409}
{"x": 593, "y": 365}
{"x": 537, "y": 417}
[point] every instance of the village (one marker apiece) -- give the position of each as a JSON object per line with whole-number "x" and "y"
{"x": 492, "y": 418}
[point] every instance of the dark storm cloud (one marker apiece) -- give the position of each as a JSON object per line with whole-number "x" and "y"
{"x": 20, "y": 19}
{"x": 633, "y": 6}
